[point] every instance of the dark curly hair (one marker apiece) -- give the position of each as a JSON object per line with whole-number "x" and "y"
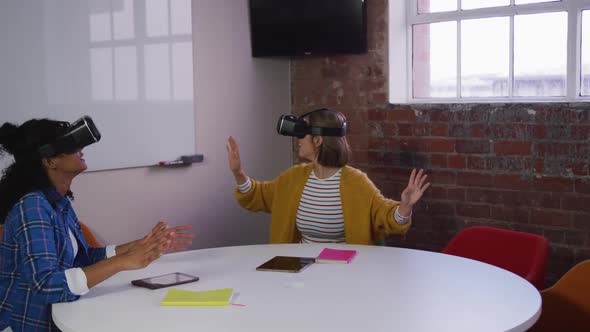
{"x": 26, "y": 173}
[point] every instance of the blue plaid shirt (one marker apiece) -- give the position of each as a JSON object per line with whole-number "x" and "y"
{"x": 34, "y": 253}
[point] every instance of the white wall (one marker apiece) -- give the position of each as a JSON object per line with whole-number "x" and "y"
{"x": 234, "y": 95}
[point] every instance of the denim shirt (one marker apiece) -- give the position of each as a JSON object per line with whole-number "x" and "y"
{"x": 34, "y": 253}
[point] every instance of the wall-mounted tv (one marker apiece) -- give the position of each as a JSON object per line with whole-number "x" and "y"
{"x": 308, "y": 27}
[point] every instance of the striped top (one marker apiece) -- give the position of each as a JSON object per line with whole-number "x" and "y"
{"x": 319, "y": 216}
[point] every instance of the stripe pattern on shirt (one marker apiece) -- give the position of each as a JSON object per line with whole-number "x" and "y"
{"x": 319, "y": 215}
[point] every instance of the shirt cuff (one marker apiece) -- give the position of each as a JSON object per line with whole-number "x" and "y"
{"x": 77, "y": 282}
{"x": 401, "y": 220}
{"x": 245, "y": 187}
{"x": 110, "y": 251}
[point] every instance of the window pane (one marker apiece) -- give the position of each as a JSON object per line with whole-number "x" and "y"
{"x": 156, "y": 18}
{"x": 434, "y": 6}
{"x": 182, "y": 70}
{"x": 126, "y": 73}
{"x": 523, "y": 2}
{"x": 181, "y": 17}
{"x": 485, "y": 57}
{"x": 100, "y": 20}
{"x": 434, "y": 56}
{"x": 123, "y": 19}
{"x": 101, "y": 71}
{"x": 157, "y": 72}
{"x": 540, "y": 44}
{"x": 586, "y": 53}
{"x": 473, "y": 4}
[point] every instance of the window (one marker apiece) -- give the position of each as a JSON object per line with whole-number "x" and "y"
{"x": 489, "y": 50}
{"x": 141, "y": 50}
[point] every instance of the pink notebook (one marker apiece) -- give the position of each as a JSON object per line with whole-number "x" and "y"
{"x": 335, "y": 256}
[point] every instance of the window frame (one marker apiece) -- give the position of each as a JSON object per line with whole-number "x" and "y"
{"x": 403, "y": 14}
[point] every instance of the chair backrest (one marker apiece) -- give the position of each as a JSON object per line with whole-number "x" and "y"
{"x": 566, "y": 305}
{"x": 522, "y": 253}
{"x": 92, "y": 241}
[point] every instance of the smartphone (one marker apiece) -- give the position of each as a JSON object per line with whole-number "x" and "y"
{"x": 166, "y": 280}
{"x": 286, "y": 264}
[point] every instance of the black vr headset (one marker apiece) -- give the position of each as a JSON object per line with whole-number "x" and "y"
{"x": 291, "y": 125}
{"x": 79, "y": 134}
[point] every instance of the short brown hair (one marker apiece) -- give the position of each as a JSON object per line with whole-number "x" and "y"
{"x": 334, "y": 151}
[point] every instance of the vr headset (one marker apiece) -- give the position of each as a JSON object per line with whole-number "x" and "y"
{"x": 291, "y": 125}
{"x": 79, "y": 134}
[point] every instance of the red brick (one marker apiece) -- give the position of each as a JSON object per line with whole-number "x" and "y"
{"x": 554, "y": 236}
{"x": 404, "y": 129}
{"x": 553, "y": 184}
{"x": 377, "y": 115}
{"x": 512, "y": 148}
{"x": 438, "y": 145}
{"x": 401, "y": 114}
{"x": 421, "y": 129}
{"x": 457, "y": 161}
{"x": 438, "y": 115}
{"x": 378, "y": 143}
{"x": 476, "y": 163}
{"x": 493, "y": 196}
{"x": 456, "y": 194}
{"x": 442, "y": 177}
{"x": 440, "y": 208}
{"x": 582, "y": 186}
{"x": 438, "y": 160}
{"x": 539, "y": 131}
{"x": 436, "y": 192}
{"x": 582, "y": 221}
{"x": 474, "y": 179}
{"x": 538, "y": 199}
{"x": 439, "y": 129}
{"x": 539, "y": 166}
{"x": 472, "y": 146}
{"x": 580, "y": 168}
{"x": 550, "y": 218}
{"x": 576, "y": 238}
{"x": 473, "y": 210}
{"x": 512, "y": 181}
{"x": 576, "y": 203}
{"x": 511, "y": 214}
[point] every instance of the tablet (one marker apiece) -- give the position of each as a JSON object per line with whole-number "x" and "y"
{"x": 286, "y": 264}
{"x": 166, "y": 280}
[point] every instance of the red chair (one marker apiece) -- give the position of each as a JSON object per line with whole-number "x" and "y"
{"x": 522, "y": 253}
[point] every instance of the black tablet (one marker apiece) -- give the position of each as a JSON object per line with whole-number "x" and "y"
{"x": 286, "y": 264}
{"x": 166, "y": 280}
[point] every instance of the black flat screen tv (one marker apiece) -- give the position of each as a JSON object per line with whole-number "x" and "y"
{"x": 307, "y": 27}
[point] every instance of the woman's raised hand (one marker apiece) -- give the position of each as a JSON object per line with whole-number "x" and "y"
{"x": 233, "y": 158}
{"x": 414, "y": 191}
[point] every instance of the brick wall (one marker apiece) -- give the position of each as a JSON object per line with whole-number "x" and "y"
{"x": 517, "y": 166}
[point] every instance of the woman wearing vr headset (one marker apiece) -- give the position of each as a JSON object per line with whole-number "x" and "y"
{"x": 44, "y": 257}
{"x": 325, "y": 200}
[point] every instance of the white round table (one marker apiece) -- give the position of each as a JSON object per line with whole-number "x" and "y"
{"x": 382, "y": 289}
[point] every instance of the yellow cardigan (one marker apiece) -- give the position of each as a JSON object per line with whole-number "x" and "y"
{"x": 368, "y": 216}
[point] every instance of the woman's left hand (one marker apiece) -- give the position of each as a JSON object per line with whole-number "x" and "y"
{"x": 415, "y": 189}
{"x": 179, "y": 236}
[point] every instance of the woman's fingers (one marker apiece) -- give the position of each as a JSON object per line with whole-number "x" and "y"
{"x": 412, "y": 176}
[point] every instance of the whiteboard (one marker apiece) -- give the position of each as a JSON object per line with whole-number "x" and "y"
{"x": 128, "y": 64}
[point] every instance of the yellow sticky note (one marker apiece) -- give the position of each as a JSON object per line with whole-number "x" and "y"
{"x": 216, "y": 297}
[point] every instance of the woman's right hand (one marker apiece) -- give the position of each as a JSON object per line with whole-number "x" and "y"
{"x": 233, "y": 158}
